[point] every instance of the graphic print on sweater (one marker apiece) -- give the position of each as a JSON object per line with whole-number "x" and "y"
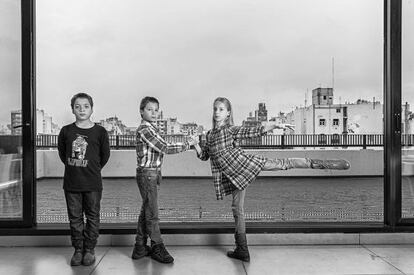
{"x": 79, "y": 146}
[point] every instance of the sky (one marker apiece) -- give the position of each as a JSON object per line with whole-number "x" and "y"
{"x": 188, "y": 52}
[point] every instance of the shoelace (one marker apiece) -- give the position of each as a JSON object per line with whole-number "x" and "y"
{"x": 162, "y": 251}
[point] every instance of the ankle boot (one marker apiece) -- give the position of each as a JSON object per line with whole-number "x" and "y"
{"x": 88, "y": 257}
{"x": 241, "y": 252}
{"x": 77, "y": 257}
{"x": 334, "y": 164}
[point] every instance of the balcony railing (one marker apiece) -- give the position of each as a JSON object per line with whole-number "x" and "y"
{"x": 264, "y": 142}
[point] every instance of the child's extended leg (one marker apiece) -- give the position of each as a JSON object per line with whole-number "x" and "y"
{"x": 241, "y": 252}
{"x": 290, "y": 163}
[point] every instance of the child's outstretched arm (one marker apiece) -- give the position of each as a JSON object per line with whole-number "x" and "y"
{"x": 160, "y": 145}
{"x": 242, "y": 132}
{"x": 273, "y": 125}
{"x": 202, "y": 153}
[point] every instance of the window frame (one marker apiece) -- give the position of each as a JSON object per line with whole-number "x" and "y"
{"x": 322, "y": 122}
{"x": 392, "y": 151}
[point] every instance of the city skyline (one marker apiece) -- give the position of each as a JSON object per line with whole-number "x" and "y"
{"x": 187, "y": 53}
{"x": 362, "y": 116}
{"x": 269, "y": 115}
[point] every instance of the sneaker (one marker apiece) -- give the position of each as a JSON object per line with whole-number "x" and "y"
{"x": 140, "y": 251}
{"x": 88, "y": 257}
{"x": 76, "y": 258}
{"x": 334, "y": 164}
{"x": 160, "y": 254}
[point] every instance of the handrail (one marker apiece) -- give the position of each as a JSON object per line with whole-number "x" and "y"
{"x": 268, "y": 141}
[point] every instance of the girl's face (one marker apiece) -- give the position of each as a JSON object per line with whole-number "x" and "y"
{"x": 220, "y": 112}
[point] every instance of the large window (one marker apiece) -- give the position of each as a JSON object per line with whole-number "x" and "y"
{"x": 288, "y": 61}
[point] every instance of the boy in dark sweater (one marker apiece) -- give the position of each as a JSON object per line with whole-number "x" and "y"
{"x": 84, "y": 149}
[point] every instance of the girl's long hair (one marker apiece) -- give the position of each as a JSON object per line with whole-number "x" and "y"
{"x": 226, "y": 102}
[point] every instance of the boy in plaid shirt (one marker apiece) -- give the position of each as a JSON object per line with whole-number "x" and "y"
{"x": 150, "y": 148}
{"x": 233, "y": 170}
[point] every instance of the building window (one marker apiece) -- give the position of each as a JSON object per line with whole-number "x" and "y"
{"x": 336, "y": 122}
{"x": 338, "y": 110}
{"x": 322, "y": 122}
{"x": 324, "y": 97}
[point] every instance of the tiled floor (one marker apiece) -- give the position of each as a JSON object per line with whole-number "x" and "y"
{"x": 290, "y": 260}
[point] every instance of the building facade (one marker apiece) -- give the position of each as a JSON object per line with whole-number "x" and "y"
{"x": 325, "y": 117}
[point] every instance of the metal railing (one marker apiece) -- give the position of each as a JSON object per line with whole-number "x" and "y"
{"x": 268, "y": 141}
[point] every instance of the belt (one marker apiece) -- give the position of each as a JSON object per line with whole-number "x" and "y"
{"x": 149, "y": 168}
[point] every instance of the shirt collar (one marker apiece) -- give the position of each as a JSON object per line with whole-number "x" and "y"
{"x": 217, "y": 128}
{"x": 152, "y": 125}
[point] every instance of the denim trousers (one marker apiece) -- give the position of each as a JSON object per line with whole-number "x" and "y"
{"x": 286, "y": 163}
{"x": 237, "y": 206}
{"x": 148, "y": 181}
{"x": 80, "y": 204}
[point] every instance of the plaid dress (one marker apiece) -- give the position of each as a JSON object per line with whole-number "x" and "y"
{"x": 231, "y": 167}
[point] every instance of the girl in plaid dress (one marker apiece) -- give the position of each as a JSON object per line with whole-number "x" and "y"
{"x": 233, "y": 170}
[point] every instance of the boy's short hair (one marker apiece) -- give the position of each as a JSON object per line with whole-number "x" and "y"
{"x": 147, "y": 100}
{"x": 81, "y": 95}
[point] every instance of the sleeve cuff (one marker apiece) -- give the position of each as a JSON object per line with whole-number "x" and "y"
{"x": 186, "y": 146}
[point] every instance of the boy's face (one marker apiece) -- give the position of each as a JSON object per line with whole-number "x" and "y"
{"x": 82, "y": 109}
{"x": 150, "y": 112}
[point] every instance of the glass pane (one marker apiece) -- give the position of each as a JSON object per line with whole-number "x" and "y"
{"x": 314, "y": 64}
{"x": 10, "y": 111}
{"x": 407, "y": 113}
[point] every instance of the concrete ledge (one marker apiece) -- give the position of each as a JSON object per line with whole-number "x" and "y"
{"x": 122, "y": 163}
{"x": 384, "y": 238}
{"x": 224, "y": 239}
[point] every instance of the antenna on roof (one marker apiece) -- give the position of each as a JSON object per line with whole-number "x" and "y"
{"x": 333, "y": 73}
{"x": 306, "y": 97}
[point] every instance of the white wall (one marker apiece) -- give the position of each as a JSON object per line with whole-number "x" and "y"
{"x": 122, "y": 163}
{"x": 365, "y": 118}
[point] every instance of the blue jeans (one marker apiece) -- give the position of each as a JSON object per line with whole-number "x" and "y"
{"x": 148, "y": 181}
{"x": 80, "y": 203}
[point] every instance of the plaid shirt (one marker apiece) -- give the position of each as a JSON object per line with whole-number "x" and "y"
{"x": 231, "y": 167}
{"x": 151, "y": 147}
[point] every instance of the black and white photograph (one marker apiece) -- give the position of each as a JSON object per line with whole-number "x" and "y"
{"x": 207, "y": 137}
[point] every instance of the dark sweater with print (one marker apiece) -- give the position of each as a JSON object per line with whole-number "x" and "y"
{"x": 84, "y": 152}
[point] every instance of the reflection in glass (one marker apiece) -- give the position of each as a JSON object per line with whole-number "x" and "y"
{"x": 10, "y": 113}
{"x": 407, "y": 146}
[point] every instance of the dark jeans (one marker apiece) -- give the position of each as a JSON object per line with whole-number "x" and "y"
{"x": 148, "y": 181}
{"x": 78, "y": 203}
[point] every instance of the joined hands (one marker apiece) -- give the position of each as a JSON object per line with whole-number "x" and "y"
{"x": 193, "y": 140}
